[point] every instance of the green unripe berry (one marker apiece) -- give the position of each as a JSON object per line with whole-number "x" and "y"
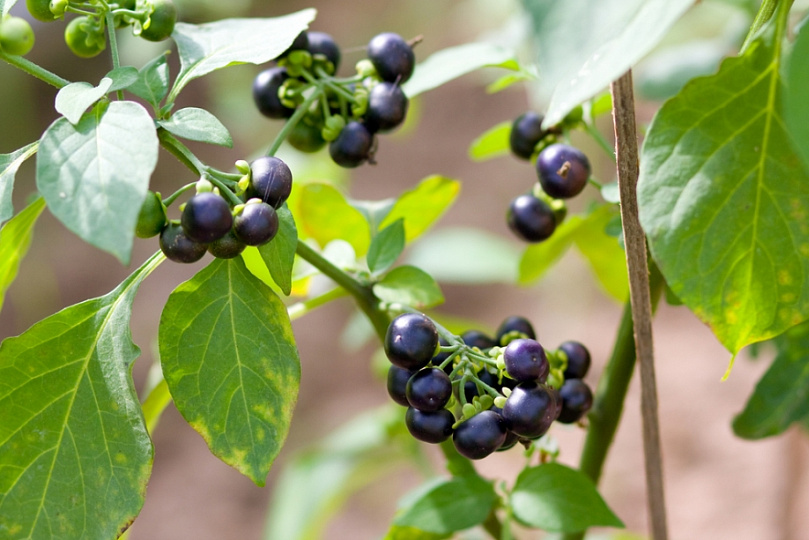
{"x": 161, "y": 21}
{"x": 40, "y": 10}
{"x": 152, "y": 217}
{"x": 16, "y": 36}
{"x": 83, "y": 38}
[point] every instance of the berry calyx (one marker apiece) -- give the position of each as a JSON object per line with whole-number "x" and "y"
{"x": 16, "y": 36}
{"x": 352, "y": 147}
{"x": 578, "y": 359}
{"x": 429, "y": 426}
{"x": 526, "y": 361}
{"x": 152, "y": 216}
{"x": 526, "y": 132}
{"x": 515, "y": 324}
{"x": 265, "y": 93}
{"x": 84, "y": 37}
{"x": 206, "y": 217}
{"x": 529, "y": 410}
{"x": 256, "y": 224}
{"x": 387, "y": 107}
{"x": 161, "y": 21}
{"x": 481, "y": 435}
{"x": 176, "y": 245}
{"x": 392, "y": 57}
{"x": 429, "y": 389}
{"x": 531, "y": 219}
{"x": 411, "y": 341}
{"x": 577, "y": 398}
{"x": 270, "y": 180}
{"x": 563, "y": 171}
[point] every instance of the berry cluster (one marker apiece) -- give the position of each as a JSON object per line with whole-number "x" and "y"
{"x": 222, "y": 227}
{"x": 563, "y": 172}
{"x": 345, "y": 113}
{"x": 486, "y": 393}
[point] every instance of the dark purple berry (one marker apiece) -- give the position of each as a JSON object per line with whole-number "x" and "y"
{"x": 206, "y": 217}
{"x": 265, "y": 93}
{"x": 301, "y": 43}
{"x": 529, "y": 410}
{"x": 429, "y": 426}
{"x": 352, "y": 147}
{"x": 531, "y": 219}
{"x": 411, "y": 341}
{"x": 392, "y": 57}
{"x": 321, "y": 43}
{"x": 578, "y": 359}
{"x": 517, "y": 324}
{"x": 397, "y": 384}
{"x": 511, "y": 440}
{"x": 176, "y": 246}
{"x": 526, "y": 361}
{"x": 476, "y": 338}
{"x": 429, "y": 389}
{"x": 227, "y": 247}
{"x": 577, "y": 398}
{"x": 270, "y": 181}
{"x": 471, "y": 389}
{"x": 563, "y": 171}
{"x": 387, "y": 107}
{"x": 256, "y": 224}
{"x": 526, "y": 132}
{"x": 481, "y": 435}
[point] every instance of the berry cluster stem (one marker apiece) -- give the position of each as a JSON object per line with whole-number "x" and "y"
{"x": 290, "y": 124}
{"x": 116, "y": 59}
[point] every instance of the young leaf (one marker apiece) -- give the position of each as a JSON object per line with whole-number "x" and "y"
{"x": 453, "y": 505}
{"x": 237, "y": 390}
{"x": 74, "y": 452}
{"x": 556, "y": 498}
{"x": 795, "y": 108}
{"x": 386, "y": 247}
{"x": 449, "y": 64}
{"x": 153, "y": 81}
{"x": 410, "y": 286}
{"x": 197, "y": 125}
{"x": 324, "y": 214}
{"x": 423, "y": 205}
{"x": 781, "y": 396}
{"x": 15, "y": 237}
{"x": 5, "y": 6}
{"x": 279, "y": 255}
{"x": 611, "y": 36}
{"x": 492, "y": 143}
{"x": 122, "y": 78}
{"x": 723, "y": 199}
{"x": 9, "y": 165}
{"x": 75, "y": 98}
{"x": 207, "y": 47}
{"x": 95, "y": 175}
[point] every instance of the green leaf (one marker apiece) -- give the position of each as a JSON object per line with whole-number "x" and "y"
{"x": 386, "y": 247}
{"x": 208, "y": 47}
{"x": 556, "y": 498}
{"x": 75, "y": 98}
{"x": 237, "y": 390}
{"x": 197, "y": 125}
{"x": 423, "y": 205}
{"x": 15, "y": 237}
{"x": 492, "y": 143}
{"x": 279, "y": 255}
{"x": 95, "y": 175}
{"x": 74, "y": 452}
{"x": 122, "y": 78}
{"x": 665, "y": 73}
{"x": 449, "y": 64}
{"x": 153, "y": 81}
{"x": 5, "y": 6}
{"x": 510, "y": 79}
{"x": 9, "y": 165}
{"x": 323, "y": 213}
{"x": 604, "y": 253}
{"x": 466, "y": 256}
{"x": 724, "y": 200}
{"x": 611, "y": 36}
{"x": 797, "y": 85}
{"x": 410, "y": 286}
{"x": 781, "y": 396}
{"x": 452, "y": 505}
{"x": 411, "y": 533}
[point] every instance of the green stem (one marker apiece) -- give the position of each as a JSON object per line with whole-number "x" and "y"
{"x": 180, "y": 151}
{"x": 224, "y": 190}
{"x": 298, "y": 310}
{"x": 34, "y": 70}
{"x": 300, "y": 112}
{"x": 173, "y": 197}
{"x": 765, "y": 13}
{"x": 116, "y": 59}
{"x": 599, "y": 138}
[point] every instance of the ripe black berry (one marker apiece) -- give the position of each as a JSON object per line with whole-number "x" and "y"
{"x": 387, "y": 107}
{"x": 471, "y": 389}
{"x": 265, "y": 93}
{"x": 322, "y": 43}
{"x": 578, "y": 359}
{"x": 392, "y": 57}
{"x": 531, "y": 219}
{"x": 563, "y": 171}
{"x": 270, "y": 181}
{"x": 526, "y": 132}
{"x": 529, "y": 410}
{"x": 176, "y": 246}
{"x": 397, "y": 384}
{"x": 509, "y": 442}
{"x": 353, "y": 146}
{"x": 206, "y": 217}
{"x": 301, "y": 43}
{"x": 577, "y": 398}
{"x": 227, "y": 247}
{"x": 526, "y": 361}
{"x": 515, "y": 324}
{"x": 429, "y": 426}
{"x": 476, "y": 338}
{"x": 256, "y": 224}
{"x": 429, "y": 389}
{"x": 481, "y": 435}
{"x": 410, "y": 341}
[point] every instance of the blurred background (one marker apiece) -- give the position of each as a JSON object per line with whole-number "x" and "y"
{"x": 718, "y": 486}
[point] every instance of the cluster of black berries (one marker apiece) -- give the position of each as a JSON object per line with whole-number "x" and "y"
{"x": 499, "y": 387}
{"x": 563, "y": 173}
{"x": 212, "y": 223}
{"x": 348, "y": 113}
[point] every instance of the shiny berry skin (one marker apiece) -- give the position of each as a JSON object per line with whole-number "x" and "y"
{"x": 265, "y": 93}
{"x": 577, "y": 398}
{"x": 529, "y": 410}
{"x": 526, "y": 361}
{"x": 392, "y": 57}
{"x": 387, "y": 107}
{"x": 429, "y": 426}
{"x": 352, "y": 147}
{"x": 526, "y": 132}
{"x": 206, "y": 217}
{"x": 256, "y": 224}
{"x": 511, "y": 441}
{"x": 16, "y": 36}
{"x": 531, "y": 219}
{"x": 429, "y": 389}
{"x": 397, "y": 384}
{"x": 176, "y": 246}
{"x": 480, "y": 435}
{"x": 578, "y": 359}
{"x": 563, "y": 171}
{"x": 227, "y": 247}
{"x": 323, "y": 43}
{"x": 161, "y": 21}
{"x": 411, "y": 341}
{"x": 515, "y": 324}
{"x": 476, "y": 338}
{"x": 270, "y": 181}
